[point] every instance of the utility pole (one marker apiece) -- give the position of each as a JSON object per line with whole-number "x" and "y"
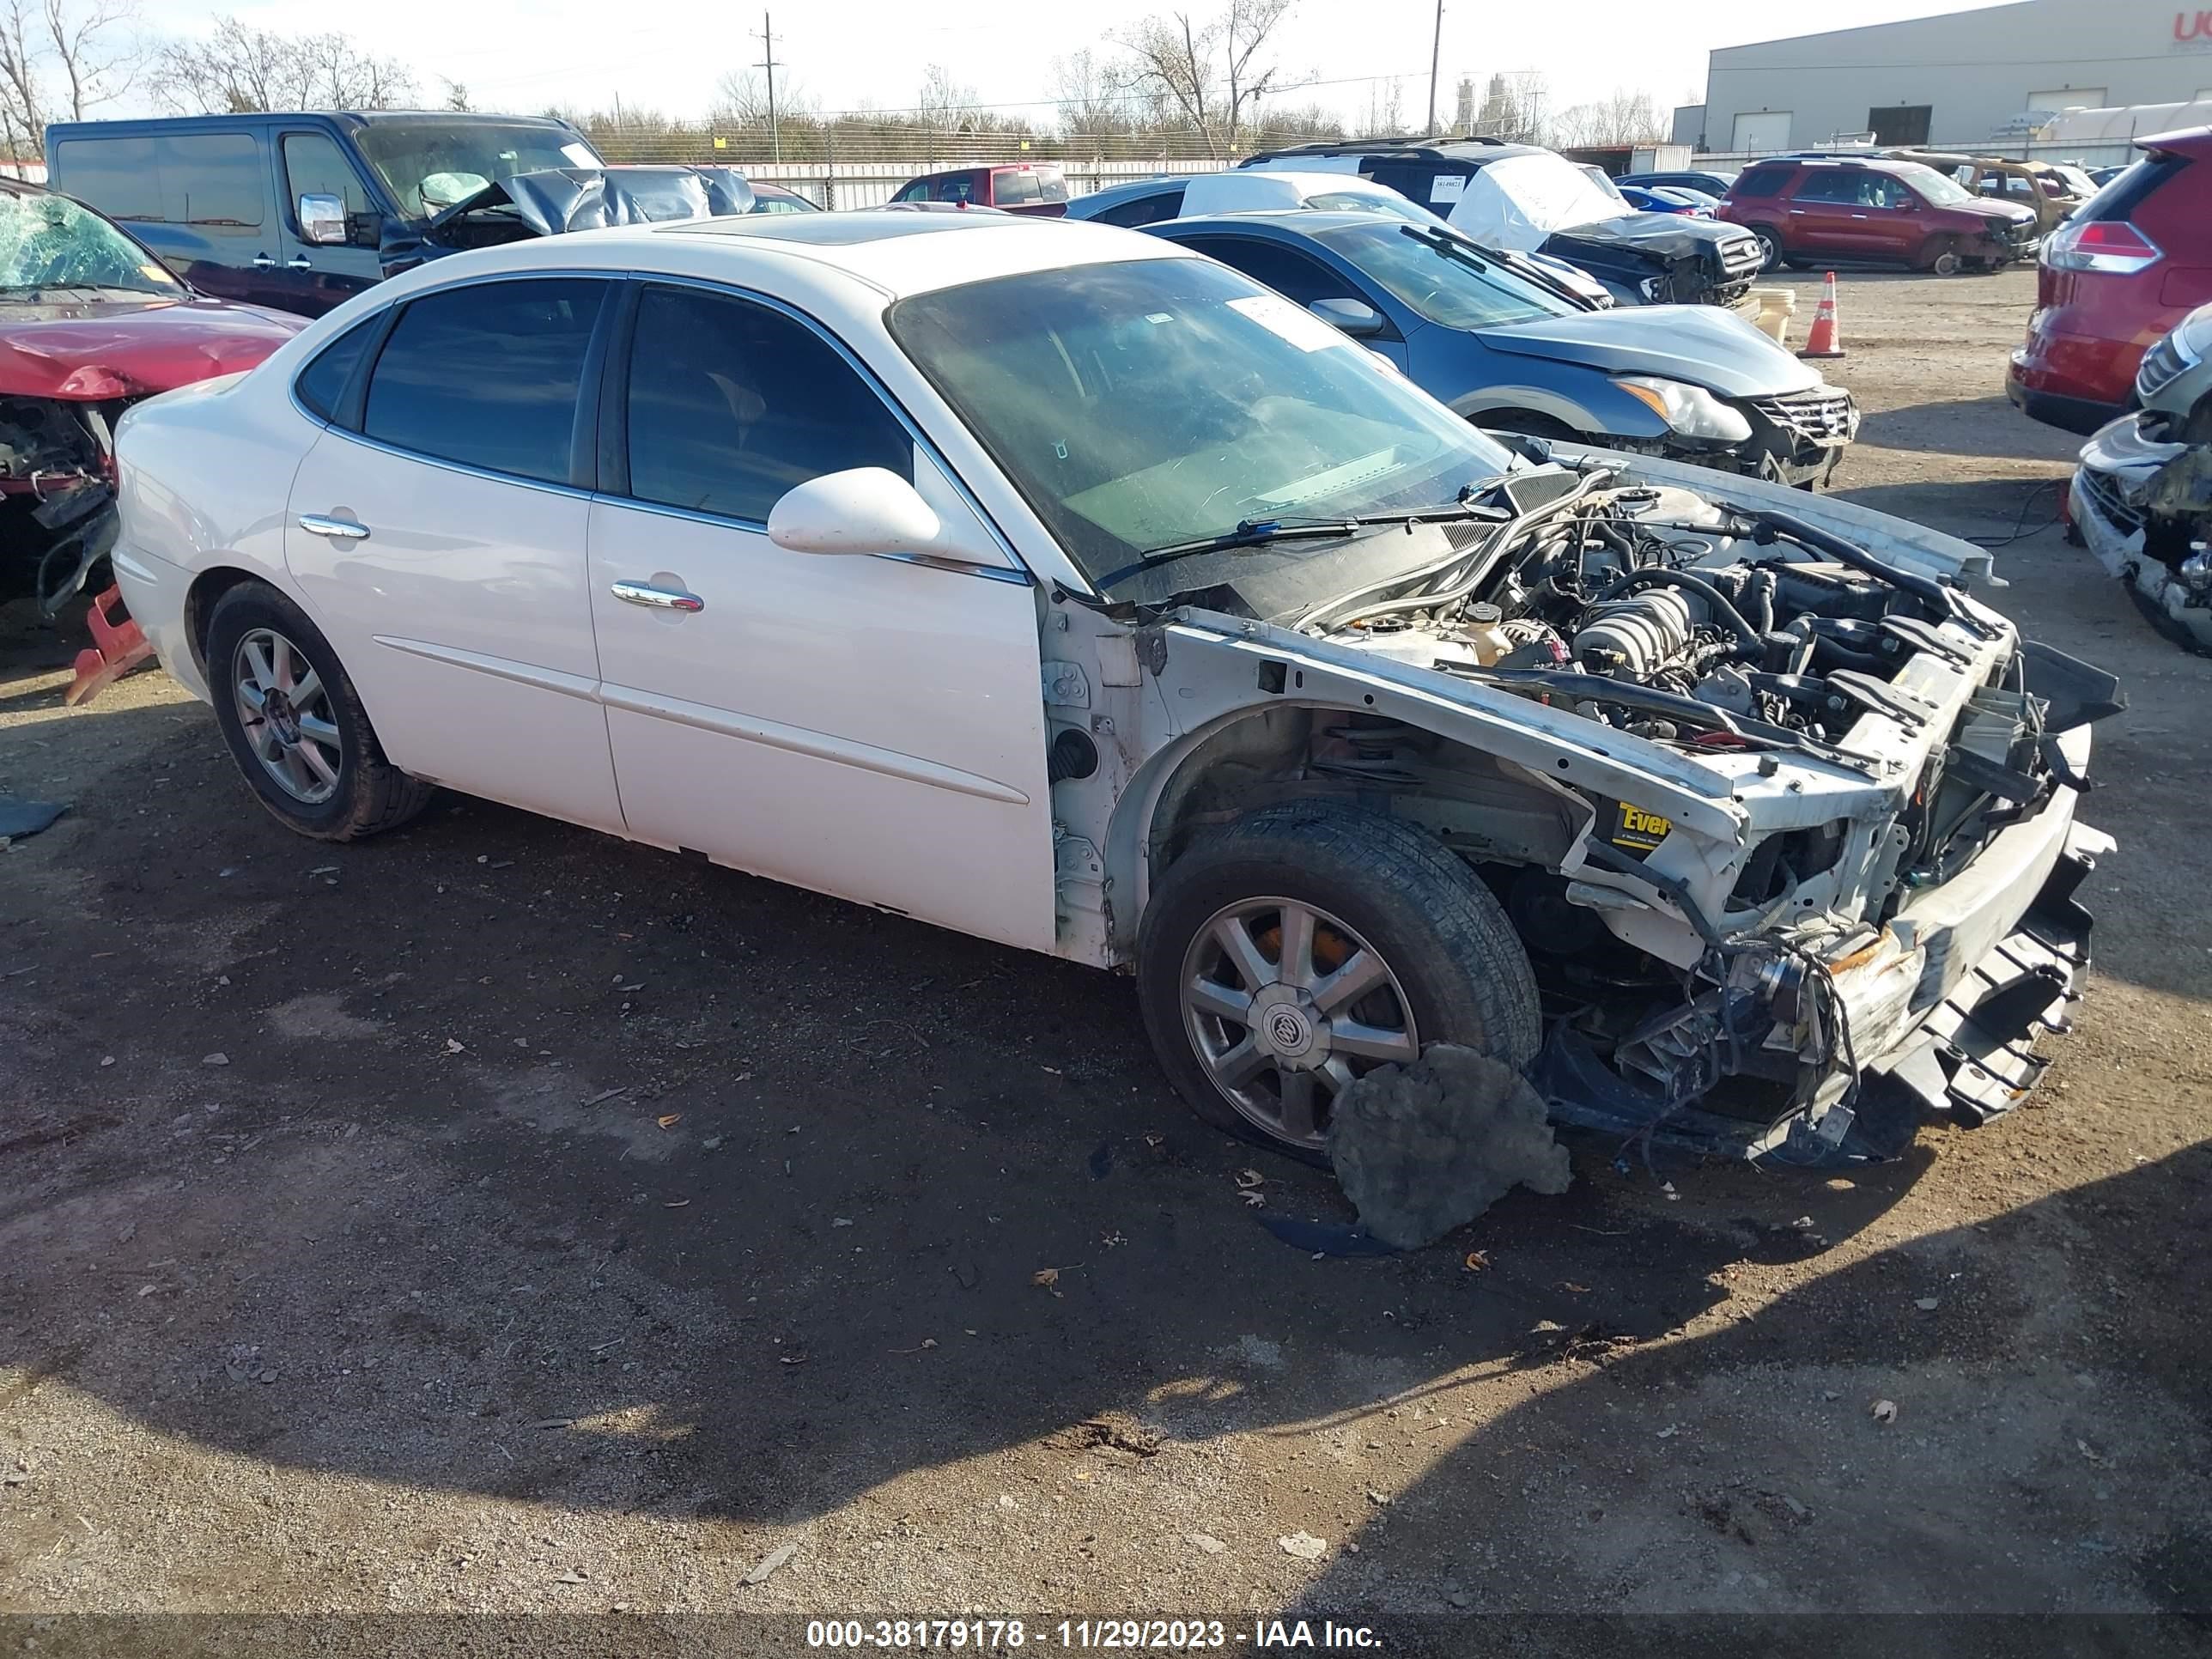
{"x": 1435, "y": 52}
{"x": 767, "y": 38}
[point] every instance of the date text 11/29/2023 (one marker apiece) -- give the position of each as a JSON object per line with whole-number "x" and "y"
{"x": 1087, "y": 1634}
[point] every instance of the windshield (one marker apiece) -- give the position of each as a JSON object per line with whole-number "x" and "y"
{"x": 2069, "y": 181}
{"x": 1140, "y": 405}
{"x": 1603, "y": 180}
{"x": 429, "y": 164}
{"x": 50, "y": 242}
{"x": 1939, "y": 189}
{"x": 1443, "y": 278}
{"x": 1388, "y": 203}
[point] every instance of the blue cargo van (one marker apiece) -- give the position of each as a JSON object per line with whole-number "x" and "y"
{"x": 296, "y": 211}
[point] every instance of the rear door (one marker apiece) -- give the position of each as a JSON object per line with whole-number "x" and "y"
{"x": 1827, "y": 215}
{"x": 318, "y": 275}
{"x": 437, "y": 530}
{"x": 867, "y": 726}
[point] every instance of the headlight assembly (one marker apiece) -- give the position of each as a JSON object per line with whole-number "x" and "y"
{"x": 1691, "y": 410}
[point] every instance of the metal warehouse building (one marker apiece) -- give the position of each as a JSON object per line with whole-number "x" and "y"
{"x": 1957, "y": 80}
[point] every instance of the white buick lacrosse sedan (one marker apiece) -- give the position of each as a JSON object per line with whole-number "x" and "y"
{"x": 1052, "y": 583}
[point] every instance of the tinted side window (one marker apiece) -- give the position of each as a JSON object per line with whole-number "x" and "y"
{"x": 1152, "y": 210}
{"x": 116, "y": 175}
{"x": 1052, "y": 184}
{"x": 957, "y": 187}
{"x": 487, "y": 375}
{"x": 213, "y": 179}
{"x": 313, "y": 166}
{"x": 916, "y": 191}
{"x": 1292, "y": 274}
{"x": 1014, "y": 189}
{"x": 1830, "y": 185}
{"x": 1760, "y": 182}
{"x": 732, "y": 404}
{"x": 322, "y": 383}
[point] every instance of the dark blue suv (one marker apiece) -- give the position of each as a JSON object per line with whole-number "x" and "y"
{"x": 295, "y": 211}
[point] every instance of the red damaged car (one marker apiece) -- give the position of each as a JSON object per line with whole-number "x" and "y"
{"x": 90, "y": 322}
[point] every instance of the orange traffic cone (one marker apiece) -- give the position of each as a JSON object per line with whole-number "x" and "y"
{"x": 1822, "y": 342}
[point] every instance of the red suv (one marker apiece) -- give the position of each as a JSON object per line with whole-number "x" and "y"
{"x": 2132, "y": 261}
{"x": 1834, "y": 211}
{"x": 1019, "y": 187}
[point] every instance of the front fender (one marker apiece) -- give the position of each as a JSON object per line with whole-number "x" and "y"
{"x": 1594, "y": 406}
{"x": 1213, "y": 670}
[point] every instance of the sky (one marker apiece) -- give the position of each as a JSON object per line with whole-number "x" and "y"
{"x": 845, "y": 52}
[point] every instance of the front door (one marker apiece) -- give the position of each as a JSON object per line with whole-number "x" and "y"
{"x": 316, "y": 277}
{"x": 867, "y": 726}
{"x": 440, "y": 547}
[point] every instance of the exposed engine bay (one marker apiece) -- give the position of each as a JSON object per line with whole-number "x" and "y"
{"x": 1785, "y": 825}
{"x": 57, "y": 496}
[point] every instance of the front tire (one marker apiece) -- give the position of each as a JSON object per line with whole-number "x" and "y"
{"x": 1769, "y": 246}
{"x": 1293, "y": 951}
{"x": 294, "y": 723}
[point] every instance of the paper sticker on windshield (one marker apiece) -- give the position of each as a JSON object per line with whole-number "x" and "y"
{"x": 1447, "y": 187}
{"x": 1300, "y": 327}
{"x": 580, "y": 156}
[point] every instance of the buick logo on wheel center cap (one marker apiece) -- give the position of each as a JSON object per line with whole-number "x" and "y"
{"x": 1289, "y": 1032}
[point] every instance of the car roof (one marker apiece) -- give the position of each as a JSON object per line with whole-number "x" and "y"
{"x": 894, "y": 254}
{"x": 352, "y": 116}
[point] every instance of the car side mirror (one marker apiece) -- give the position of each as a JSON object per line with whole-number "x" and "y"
{"x": 866, "y": 509}
{"x": 322, "y": 221}
{"x": 1354, "y": 316}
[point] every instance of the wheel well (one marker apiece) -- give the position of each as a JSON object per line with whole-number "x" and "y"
{"x": 1482, "y": 807}
{"x": 207, "y": 587}
{"x": 1529, "y": 422}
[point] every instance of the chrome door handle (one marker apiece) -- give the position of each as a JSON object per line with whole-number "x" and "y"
{"x": 337, "y": 530}
{"x": 659, "y": 598}
{"x": 1858, "y": 216}
{"x": 298, "y": 263}
{"x": 263, "y": 262}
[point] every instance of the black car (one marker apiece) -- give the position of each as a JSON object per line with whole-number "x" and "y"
{"x": 1519, "y": 195}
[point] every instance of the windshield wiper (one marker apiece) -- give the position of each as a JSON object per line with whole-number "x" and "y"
{"x": 1258, "y": 533}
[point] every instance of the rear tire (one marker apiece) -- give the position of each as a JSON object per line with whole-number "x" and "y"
{"x": 1314, "y": 940}
{"x": 294, "y": 723}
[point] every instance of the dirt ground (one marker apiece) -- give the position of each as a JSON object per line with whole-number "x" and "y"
{"x": 495, "y": 1217}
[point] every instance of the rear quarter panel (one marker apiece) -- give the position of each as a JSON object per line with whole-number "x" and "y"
{"x": 202, "y": 477}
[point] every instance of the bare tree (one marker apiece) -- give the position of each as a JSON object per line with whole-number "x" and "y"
{"x": 946, "y": 104}
{"x": 22, "y": 97}
{"x": 1517, "y": 107}
{"x": 741, "y": 99}
{"x": 1207, "y": 72}
{"x": 1093, "y": 101}
{"x": 1385, "y": 117}
{"x": 1622, "y": 117}
{"x": 95, "y": 53}
{"x": 238, "y": 68}
{"x": 457, "y": 94}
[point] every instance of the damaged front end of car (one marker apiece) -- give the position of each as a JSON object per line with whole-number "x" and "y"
{"x": 58, "y": 494}
{"x": 1783, "y": 816}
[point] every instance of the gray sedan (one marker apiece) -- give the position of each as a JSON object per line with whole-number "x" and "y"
{"x": 1688, "y": 382}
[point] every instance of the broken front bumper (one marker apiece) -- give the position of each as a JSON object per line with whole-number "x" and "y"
{"x": 2108, "y": 507}
{"x": 1944, "y": 1009}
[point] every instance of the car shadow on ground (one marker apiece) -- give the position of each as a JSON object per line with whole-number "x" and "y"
{"x": 1915, "y": 1419}
{"x": 498, "y": 1157}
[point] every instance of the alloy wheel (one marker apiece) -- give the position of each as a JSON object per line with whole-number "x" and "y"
{"x": 1285, "y": 1005}
{"x": 286, "y": 714}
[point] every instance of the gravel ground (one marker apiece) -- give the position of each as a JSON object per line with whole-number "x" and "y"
{"x": 496, "y": 1217}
